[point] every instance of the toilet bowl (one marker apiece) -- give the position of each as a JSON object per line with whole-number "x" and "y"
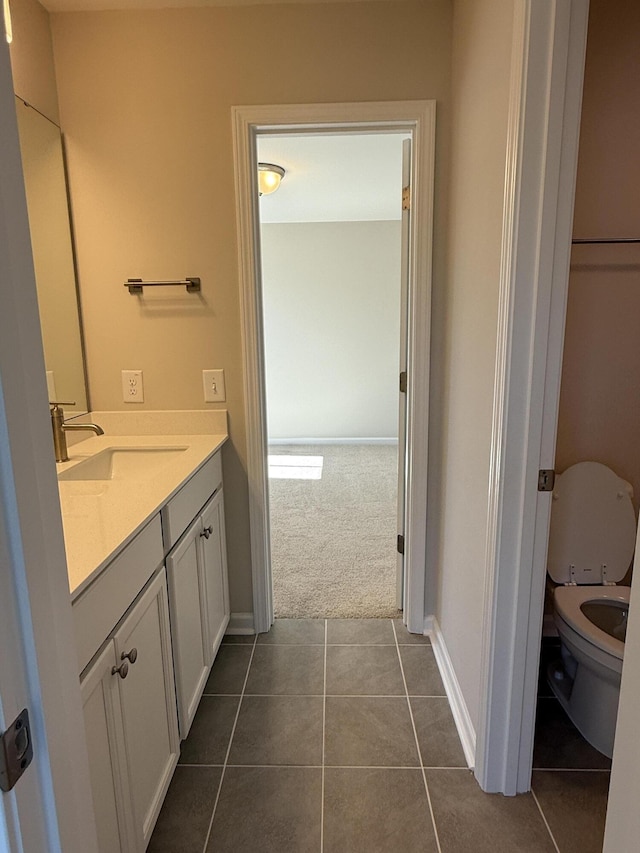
{"x": 591, "y": 544}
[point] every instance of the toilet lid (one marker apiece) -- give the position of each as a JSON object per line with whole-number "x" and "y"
{"x": 593, "y": 525}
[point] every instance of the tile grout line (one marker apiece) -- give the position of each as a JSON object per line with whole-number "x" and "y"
{"x": 553, "y": 841}
{"x": 330, "y": 766}
{"x": 333, "y": 766}
{"x": 337, "y": 696}
{"x": 226, "y": 758}
{"x": 341, "y": 645}
{"x": 415, "y": 734}
{"x": 324, "y": 719}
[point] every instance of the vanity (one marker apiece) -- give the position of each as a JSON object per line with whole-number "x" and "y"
{"x": 144, "y": 530}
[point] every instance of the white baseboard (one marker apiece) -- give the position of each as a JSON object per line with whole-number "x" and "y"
{"x": 276, "y": 441}
{"x": 240, "y": 623}
{"x": 459, "y": 708}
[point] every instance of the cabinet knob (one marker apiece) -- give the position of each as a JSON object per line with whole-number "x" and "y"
{"x": 207, "y": 531}
{"x": 132, "y": 655}
{"x": 122, "y": 670}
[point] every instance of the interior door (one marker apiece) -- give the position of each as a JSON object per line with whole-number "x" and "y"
{"x": 402, "y": 408}
{"x": 50, "y": 806}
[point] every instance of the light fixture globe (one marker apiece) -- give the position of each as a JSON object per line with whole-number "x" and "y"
{"x": 269, "y": 177}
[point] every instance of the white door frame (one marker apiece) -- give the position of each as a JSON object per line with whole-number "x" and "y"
{"x": 547, "y": 76}
{"x": 50, "y": 807}
{"x": 418, "y": 117}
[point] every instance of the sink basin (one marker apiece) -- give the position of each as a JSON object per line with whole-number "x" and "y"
{"x": 118, "y": 463}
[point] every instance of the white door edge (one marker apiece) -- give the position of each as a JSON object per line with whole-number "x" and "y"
{"x": 405, "y": 269}
{"x": 418, "y": 117}
{"x": 547, "y": 75}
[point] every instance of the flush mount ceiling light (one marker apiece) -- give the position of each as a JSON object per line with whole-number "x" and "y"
{"x": 269, "y": 177}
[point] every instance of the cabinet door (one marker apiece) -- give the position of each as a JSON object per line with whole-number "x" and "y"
{"x": 148, "y": 702}
{"x": 186, "y": 597}
{"x": 214, "y": 564}
{"x": 107, "y": 757}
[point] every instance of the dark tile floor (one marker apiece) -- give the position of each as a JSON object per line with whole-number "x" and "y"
{"x": 336, "y": 737}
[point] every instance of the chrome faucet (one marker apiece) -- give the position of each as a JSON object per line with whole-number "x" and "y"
{"x": 59, "y": 427}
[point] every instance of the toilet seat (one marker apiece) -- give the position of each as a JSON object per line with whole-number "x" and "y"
{"x": 568, "y": 600}
{"x": 593, "y": 526}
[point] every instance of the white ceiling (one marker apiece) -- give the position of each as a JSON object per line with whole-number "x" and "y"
{"x": 334, "y": 178}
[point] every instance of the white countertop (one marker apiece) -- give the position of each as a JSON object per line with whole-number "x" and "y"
{"x": 101, "y": 516}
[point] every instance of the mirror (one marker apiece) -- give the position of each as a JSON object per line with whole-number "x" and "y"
{"x": 49, "y": 224}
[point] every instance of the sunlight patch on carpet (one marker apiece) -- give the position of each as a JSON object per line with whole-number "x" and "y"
{"x": 289, "y": 467}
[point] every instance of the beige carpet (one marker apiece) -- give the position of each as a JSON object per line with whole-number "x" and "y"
{"x": 333, "y": 540}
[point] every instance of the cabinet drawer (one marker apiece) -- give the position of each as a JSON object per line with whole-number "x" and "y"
{"x": 183, "y": 507}
{"x": 97, "y": 611}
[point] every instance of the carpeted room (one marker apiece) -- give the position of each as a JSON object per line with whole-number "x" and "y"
{"x": 333, "y": 538}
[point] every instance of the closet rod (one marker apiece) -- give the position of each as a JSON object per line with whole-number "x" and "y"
{"x": 606, "y": 240}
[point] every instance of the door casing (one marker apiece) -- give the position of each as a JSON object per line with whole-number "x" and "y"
{"x": 418, "y": 118}
{"x": 549, "y": 43}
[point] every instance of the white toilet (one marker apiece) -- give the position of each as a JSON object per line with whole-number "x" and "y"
{"x": 591, "y": 544}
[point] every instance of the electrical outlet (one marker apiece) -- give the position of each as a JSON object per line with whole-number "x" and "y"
{"x": 213, "y": 382}
{"x": 132, "y": 387}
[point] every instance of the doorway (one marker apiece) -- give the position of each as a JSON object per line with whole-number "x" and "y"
{"x": 528, "y": 438}
{"x": 412, "y": 118}
{"x": 598, "y": 415}
{"x": 332, "y": 242}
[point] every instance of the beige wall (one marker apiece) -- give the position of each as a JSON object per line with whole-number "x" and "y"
{"x": 599, "y": 401}
{"x": 482, "y": 38}
{"x": 32, "y": 64}
{"x": 145, "y": 100}
{"x": 331, "y": 295}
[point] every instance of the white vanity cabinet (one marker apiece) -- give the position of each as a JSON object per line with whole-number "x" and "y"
{"x": 186, "y": 593}
{"x": 148, "y": 621}
{"x": 105, "y": 744}
{"x": 148, "y": 702}
{"x": 131, "y": 725}
{"x": 214, "y": 560}
{"x": 198, "y": 586}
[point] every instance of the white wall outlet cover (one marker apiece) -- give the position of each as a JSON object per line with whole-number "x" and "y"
{"x": 132, "y": 386}
{"x": 214, "y": 389}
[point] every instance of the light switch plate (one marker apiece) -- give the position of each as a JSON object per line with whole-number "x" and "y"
{"x": 132, "y": 387}
{"x": 213, "y": 382}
